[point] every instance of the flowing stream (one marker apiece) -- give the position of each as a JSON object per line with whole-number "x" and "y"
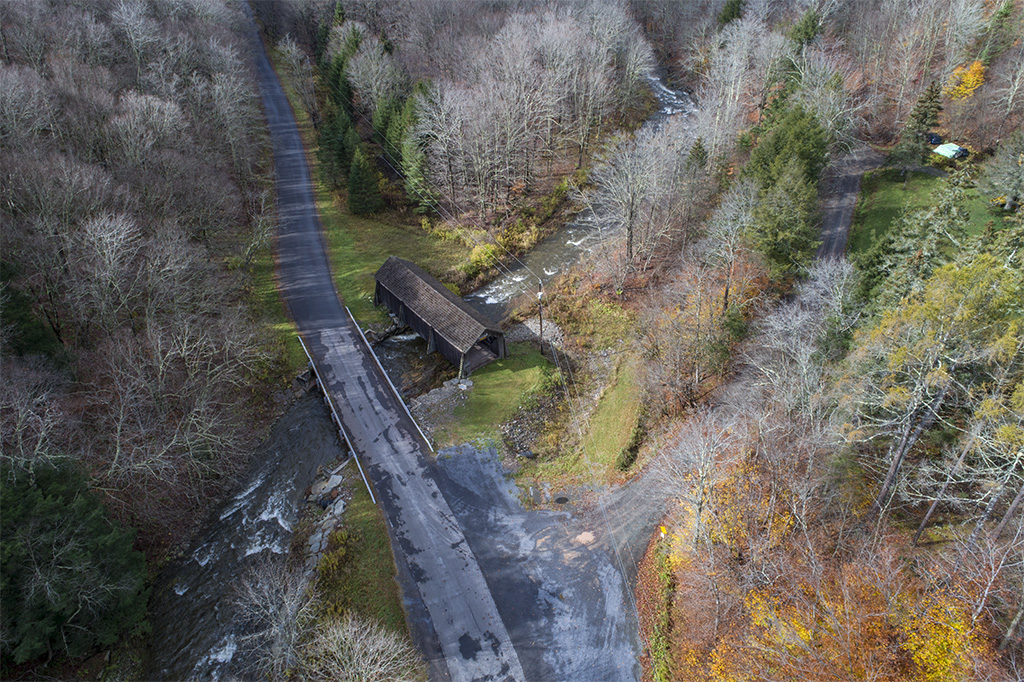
{"x": 196, "y": 629}
{"x": 566, "y": 247}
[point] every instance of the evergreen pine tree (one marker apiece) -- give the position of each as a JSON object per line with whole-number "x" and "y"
{"x": 333, "y": 160}
{"x": 807, "y": 29}
{"x": 348, "y": 148}
{"x": 697, "y": 157}
{"x": 414, "y": 156}
{"x": 913, "y": 147}
{"x": 363, "y": 191}
{"x": 926, "y": 112}
{"x": 922, "y": 241}
{"x": 793, "y": 134}
{"x": 386, "y": 111}
{"x": 69, "y": 578}
{"x": 732, "y": 10}
{"x": 784, "y": 221}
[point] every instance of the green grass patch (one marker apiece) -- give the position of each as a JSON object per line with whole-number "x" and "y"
{"x": 269, "y": 306}
{"x": 885, "y": 194}
{"x": 358, "y": 246}
{"x": 499, "y": 389}
{"x": 616, "y": 417}
{"x": 609, "y": 432}
{"x": 357, "y": 573}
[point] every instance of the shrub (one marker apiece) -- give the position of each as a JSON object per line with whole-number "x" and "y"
{"x": 482, "y": 257}
{"x": 627, "y": 456}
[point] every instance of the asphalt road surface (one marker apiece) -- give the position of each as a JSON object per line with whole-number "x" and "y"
{"x": 453, "y": 615}
{"x": 492, "y": 592}
{"x": 842, "y": 187}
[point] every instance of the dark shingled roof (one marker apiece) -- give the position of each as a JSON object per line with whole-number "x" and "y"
{"x": 451, "y": 317}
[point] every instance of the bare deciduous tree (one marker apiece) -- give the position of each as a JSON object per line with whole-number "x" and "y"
{"x": 274, "y": 603}
{"x": 356, "y": 649}
{"x": 703, "y": 455}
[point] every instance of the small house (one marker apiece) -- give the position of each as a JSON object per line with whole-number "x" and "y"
{"x": 449, "y": 325}
{"x": 951, "y": 151}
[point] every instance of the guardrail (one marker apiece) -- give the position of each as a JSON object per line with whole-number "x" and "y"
{"x": 334, "y": 415}
{"x": 393, "y": 389}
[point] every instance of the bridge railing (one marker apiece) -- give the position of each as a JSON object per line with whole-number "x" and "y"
{"x": 386, "y": 377}
{"x": 337, "y": 419}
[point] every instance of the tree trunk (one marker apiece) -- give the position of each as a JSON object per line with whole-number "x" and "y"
{"x": 938, "y": 498}
{"x": 1008, "y": 515}
{"x": 1012, "y": 629}
{"x": 907, "y": 442}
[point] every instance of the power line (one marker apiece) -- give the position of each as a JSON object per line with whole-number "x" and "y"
{"x": 574, "y": 395}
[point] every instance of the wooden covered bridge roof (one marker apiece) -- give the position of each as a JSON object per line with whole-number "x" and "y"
{"x": 451, "y": 317}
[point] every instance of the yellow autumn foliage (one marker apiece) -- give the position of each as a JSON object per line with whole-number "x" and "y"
{"x": 964, "y": 81}
{"x": 941, "y": 640}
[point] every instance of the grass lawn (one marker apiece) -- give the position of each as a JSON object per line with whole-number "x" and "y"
{"x": 499, "y": 389}
{"x": 363, "y": 578}
{"x": 613, "y": 420}
{"x": 608, "y": 430}
{"x": 267, "y": 301}
{"x": 357, "y": 247}
{"x": 884, "y": 195}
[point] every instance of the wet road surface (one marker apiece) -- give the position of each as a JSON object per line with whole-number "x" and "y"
{"x": 492, "y": 592}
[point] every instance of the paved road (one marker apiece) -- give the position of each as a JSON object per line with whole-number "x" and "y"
{"x": 453, "y": 615}
{"x": 842, "y": 187}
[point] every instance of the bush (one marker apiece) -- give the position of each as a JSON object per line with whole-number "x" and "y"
{"x": 69, "y": 579}
{"x": 627, "y": 456}
{"x": 355, "y": 649}
{"x": 482, "y": 257}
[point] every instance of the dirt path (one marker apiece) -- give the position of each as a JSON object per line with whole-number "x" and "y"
{"x": 625, "y": 518}
{"x": 841, "y": 187}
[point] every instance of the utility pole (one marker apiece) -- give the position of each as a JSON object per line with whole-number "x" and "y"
{"x": 540, "y": 315}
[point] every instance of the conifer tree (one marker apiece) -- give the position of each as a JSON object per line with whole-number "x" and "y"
{"x": 697, "y": 157}
{"x": 332, "y": 152}
{"x": 917, "y": 244}
{"x": 785, "y": 217}
{"x": 732, "y": 10}
{"x": 414, "y": 156}
{"x": 348, "y": 148}
{"x": 69, "y": 578}
{"x": 913, "y": 147}
{"x": 797, "y": 133}
{"x": 363, "y": 191}
{"x": 807, "y": 29}
{"x": 926, "y": 112}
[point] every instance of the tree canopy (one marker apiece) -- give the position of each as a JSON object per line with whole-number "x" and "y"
{"x": 70, "y": 578}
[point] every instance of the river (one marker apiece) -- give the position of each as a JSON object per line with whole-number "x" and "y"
{"x": 196, "y": 630}
{"x": 567, "y": 246}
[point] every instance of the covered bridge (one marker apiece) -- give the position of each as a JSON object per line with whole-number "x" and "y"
{"x": 448, "y": 324}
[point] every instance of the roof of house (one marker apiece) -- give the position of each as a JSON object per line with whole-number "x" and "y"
{"x": 450, "y": 317}
{"x": 948, "y": 150}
